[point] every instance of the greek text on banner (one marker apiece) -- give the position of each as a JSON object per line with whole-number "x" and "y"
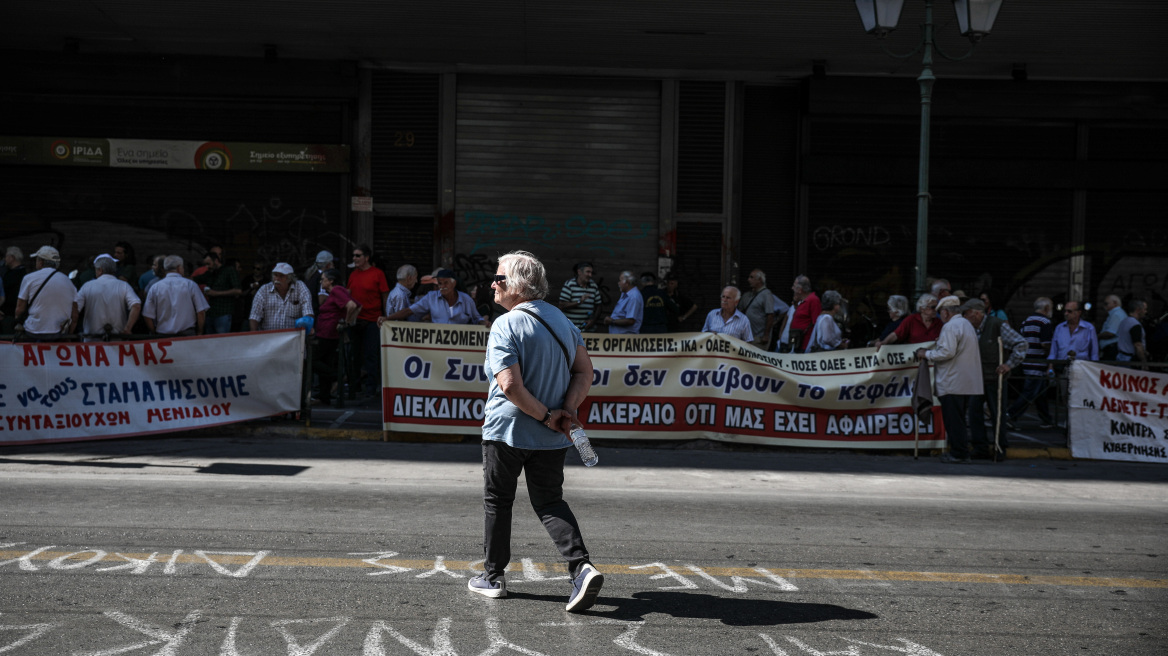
{"x": 59, "y": 391}
{"x": 673, "y": 386}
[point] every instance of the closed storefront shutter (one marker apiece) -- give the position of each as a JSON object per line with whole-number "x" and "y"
{"x": 565, "y": 168}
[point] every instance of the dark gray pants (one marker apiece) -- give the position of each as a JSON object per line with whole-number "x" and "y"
{"x": 544, "y": 471}
{"x": 954, "y": 409}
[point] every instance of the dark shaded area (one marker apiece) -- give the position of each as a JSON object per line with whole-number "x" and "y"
{"x": 249, "y": 469}
{"x": 715, "y": 457}
{"x": 731, "y": 611}
{"x": 231, "y": 468}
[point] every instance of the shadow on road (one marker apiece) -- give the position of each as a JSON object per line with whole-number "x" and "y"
{"x": 731, "y": 611}
{"x": 277, "y": 451}
{"x": 232, "y": 468}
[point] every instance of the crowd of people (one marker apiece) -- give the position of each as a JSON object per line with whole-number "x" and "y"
{"x": 108, "y": 297}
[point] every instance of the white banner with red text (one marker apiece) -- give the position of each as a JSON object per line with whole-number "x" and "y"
{"x": 1117, "y": 413}
{"x": 672, "y": 387}
{"x": 64, "y": 391}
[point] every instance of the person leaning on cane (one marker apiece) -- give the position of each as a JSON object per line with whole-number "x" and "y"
{"x": 537, "y": 384}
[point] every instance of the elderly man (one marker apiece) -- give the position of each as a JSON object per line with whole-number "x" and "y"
{"x": 761, "y": 307}
{"x": 48, "y": 298}
{"x": 957, "y": 376}
{"x": 1108, "y": 342}
{"x": 540, "y": 373}
{"x": 175, "y": 305}
{"x": 13, "y": 275}
{"x": 627, "y": 316}
{"x": 401, "y": 296}
{"x": 444, "y": 305}
{"x": 1073, "y": 338}
{"x": 989, "y": 330}
{"x": 580, "y": 297}
{"x": 312, "y": 278}
{"x": 941, "y": 288}
{"x": 797, "y": 329}
{"x": 727, "y": 319}
{"x": 280, "y": 303}
{"x": 1132, "y": 341}
{"x": 107, "y": 302}
{"x": 1037, "y": 330}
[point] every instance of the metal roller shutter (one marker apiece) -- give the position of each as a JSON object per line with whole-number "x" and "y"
{"x": 565, "y": 168}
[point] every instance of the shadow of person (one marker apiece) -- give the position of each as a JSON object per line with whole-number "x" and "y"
{"x": 731, "y": 611}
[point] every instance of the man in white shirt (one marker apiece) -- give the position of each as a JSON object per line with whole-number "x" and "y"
{"x": 728, "y": 319}
{"x": 107, "y": 301}
{"x": 49, "y": 297}
{"x": 957, "y": 375}
{"x": 175, "y": 305}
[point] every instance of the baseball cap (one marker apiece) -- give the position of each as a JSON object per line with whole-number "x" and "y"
{"x": 283, "y": 267}
{"x": 48, "y": 253}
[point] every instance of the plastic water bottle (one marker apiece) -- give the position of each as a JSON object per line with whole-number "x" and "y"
{"x": 587, "y": 453}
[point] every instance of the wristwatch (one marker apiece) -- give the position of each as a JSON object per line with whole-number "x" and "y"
{"x": 547, "y": 417}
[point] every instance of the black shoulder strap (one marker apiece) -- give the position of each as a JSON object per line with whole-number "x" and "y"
{"x": 538, "y": 318}
{"x": 32, "y": 300}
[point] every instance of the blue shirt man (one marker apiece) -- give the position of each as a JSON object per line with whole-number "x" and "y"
{"x": 629, "y": 312}
{"x": 462, "y": 312}
{"x": 1074, "y": 336}
{"x": 1108, "y": 334}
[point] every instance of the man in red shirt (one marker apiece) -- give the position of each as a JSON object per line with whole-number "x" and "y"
{"x": 797, "y": 330}
{"x": 368, "y": 286}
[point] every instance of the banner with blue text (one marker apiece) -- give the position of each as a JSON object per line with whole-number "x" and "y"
{"x": 51, "y": 392}
{"x": 671, "y": 387}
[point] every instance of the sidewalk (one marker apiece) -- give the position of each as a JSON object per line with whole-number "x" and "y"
{"x": 361, "y": 420}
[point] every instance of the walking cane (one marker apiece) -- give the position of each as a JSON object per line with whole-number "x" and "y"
{"x": 916, "y": 433}
{"x": 998, "y": 407}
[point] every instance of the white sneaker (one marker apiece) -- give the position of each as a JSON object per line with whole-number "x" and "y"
{"x": 481, "y": 585}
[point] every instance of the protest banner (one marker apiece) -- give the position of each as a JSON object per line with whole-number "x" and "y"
{"x": 673, "y": 386}
{"x": 64, "y": 391}
{"x": 1117, "y": 413}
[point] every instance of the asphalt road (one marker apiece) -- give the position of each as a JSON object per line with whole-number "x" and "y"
{"x": 249, "y": 546}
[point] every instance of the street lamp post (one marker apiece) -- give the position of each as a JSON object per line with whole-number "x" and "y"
{"x": 975, "y": 18}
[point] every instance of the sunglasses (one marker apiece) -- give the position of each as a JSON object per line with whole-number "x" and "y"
{"x": 500, "y": 278}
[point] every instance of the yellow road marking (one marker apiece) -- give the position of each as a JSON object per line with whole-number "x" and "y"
{"x": 559, "y": 568}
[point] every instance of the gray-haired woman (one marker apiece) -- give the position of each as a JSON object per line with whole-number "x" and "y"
{"x": 540, "y": 374}
{"x": 897, "y": 311}
{"x": 826, "y": 335}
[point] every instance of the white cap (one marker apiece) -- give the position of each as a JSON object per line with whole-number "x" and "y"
{"x": 283, "y": 267}
{"x": 48, "y": 253}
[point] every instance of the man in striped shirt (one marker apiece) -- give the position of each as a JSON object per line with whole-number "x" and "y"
{"x": 580, "y": 298}
{"x": 1038, "y": 332}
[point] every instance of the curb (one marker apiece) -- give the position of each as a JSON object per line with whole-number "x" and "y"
{"x": 299, "y": 431}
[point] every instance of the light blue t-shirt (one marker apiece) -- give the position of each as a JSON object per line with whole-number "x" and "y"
{"x": 631, "y": 305}
{"x": 519, "y": 337}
